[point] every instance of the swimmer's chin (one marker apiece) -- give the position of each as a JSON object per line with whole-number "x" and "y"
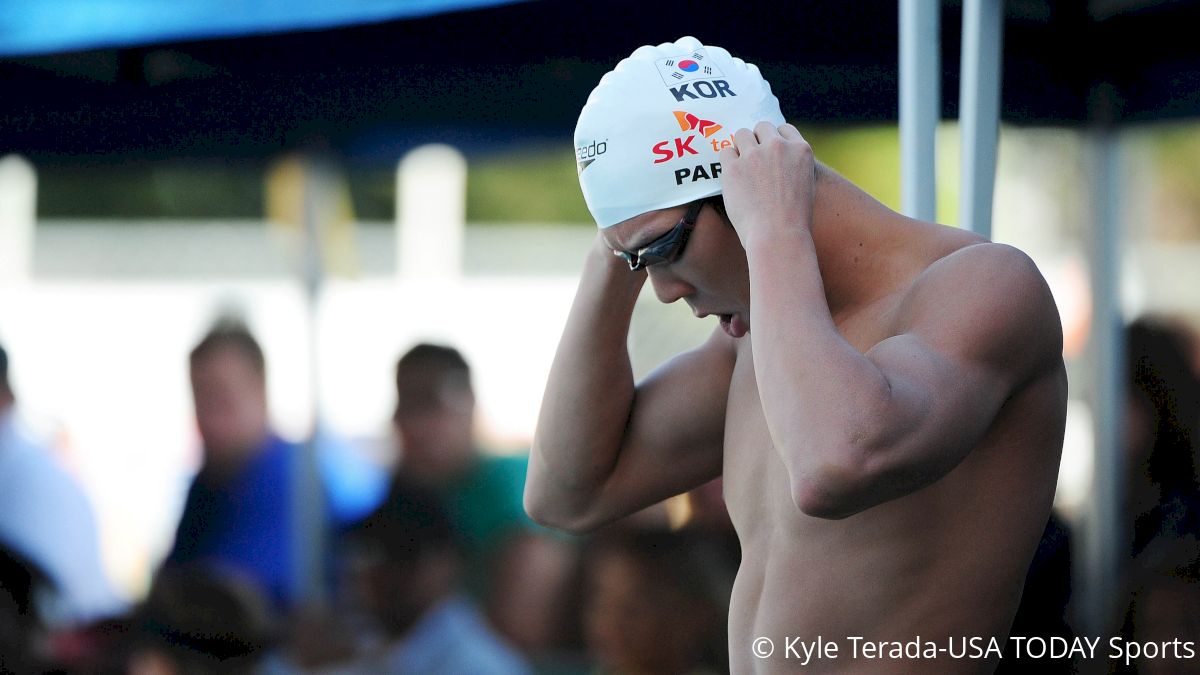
{"x": 735, "y": 325}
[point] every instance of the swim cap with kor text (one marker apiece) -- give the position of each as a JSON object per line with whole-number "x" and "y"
{"x": 649, "y": 135}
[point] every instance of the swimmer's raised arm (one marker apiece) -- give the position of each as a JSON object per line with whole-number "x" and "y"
{"x": 603, "y": 447}
{"x": 646, "y": 146}
{"x": 858, "y": 425}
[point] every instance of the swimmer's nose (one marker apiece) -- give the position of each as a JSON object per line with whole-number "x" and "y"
{"x": 668, "y": 287}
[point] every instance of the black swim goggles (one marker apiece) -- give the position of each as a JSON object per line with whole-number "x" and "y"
{"x": 668, "y": 247}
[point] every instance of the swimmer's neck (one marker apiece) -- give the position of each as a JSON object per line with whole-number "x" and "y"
{"x": 863, "y": 247}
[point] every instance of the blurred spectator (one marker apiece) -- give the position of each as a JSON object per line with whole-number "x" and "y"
{"x": 20, "y": 625}
{"x": 532, "y": 602}
{"x": 198, "y": 620}
{"x": 1044, "y": 601}
{"x": 239, "y": 508}
{"x": 656, "y": 602}
{"x": 1162, "y": 490}
{"x": 435, "y": 422}
{"x": 405, "y": 561}
{"x": 46, "y": 518}
{"x": 520, "y": 572}
{"x": 1163, "y": 413}
{"x": 1164, "y": 608}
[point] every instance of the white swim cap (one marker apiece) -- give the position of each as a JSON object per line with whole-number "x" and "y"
{"x": 649, "y": 135}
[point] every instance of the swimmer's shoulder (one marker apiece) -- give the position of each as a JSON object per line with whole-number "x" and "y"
{"x": 996, "y": 294}
{"x": 985, "y": 270}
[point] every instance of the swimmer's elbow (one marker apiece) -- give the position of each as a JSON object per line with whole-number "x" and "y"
{"x": 828, "y": 491}
{"x": 578, "y": 526}
{"x": 858, "y": 479}
{"x": 816, "y": 502}
{"x": 546, "y": 513}
{"x": 562, "y": 495}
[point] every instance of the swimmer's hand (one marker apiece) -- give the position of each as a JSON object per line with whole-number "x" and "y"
{"x": 768, "y": 178}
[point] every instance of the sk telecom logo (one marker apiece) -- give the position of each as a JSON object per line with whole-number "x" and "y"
{"x": 689, "y": 122}
{"x": 682, "y": 145}
{"x": 702, "y": 134}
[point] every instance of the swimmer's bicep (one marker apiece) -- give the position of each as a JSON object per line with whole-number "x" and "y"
{"x": 940, "y": 407}
{"x": 675, "y": 433}
{"x": 951, "y": 372}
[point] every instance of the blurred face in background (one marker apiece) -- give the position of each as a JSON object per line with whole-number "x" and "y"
{"x": 434, "y": 419}
{"x": 394, "y": 593}
{"x": 634, "y": 624}
{"x": 1168, "y": 609}
{"x": 231, "y": 405}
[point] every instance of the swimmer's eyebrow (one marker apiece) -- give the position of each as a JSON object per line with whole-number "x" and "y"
{"x": 645, "y": 241}
{"x": 631, "y": 250}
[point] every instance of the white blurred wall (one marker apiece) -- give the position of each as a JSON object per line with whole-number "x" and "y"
{"x": 100, "y": 333}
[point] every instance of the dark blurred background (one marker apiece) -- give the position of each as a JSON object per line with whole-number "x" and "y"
{"x": 520, "y": 71}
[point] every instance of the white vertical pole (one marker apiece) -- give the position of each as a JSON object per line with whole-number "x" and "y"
{"x": 1104, "y": 536}
{"x": 18, "y": 213}
{"x": 310, "y": 535}
{"x": 431, "y": 191}
{"x": 979, "y": 111}
{"x": 920, "y": 105}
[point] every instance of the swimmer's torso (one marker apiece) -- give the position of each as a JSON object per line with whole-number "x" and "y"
{"x": 945, "y": 561}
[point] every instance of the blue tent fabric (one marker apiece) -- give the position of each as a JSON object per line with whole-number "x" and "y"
{"x": 503, "y": 74}
{"x": 44, "y": 26}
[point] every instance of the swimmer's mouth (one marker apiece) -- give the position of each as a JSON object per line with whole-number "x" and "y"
{"x": 724, "y": 318}
{"x": 734, "y": 325}
{"x": 726, "y": 321}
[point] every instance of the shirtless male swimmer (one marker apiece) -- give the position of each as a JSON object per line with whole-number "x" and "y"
{"x": 884, "y": 397}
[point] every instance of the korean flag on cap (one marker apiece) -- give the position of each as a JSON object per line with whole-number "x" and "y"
{"x": 695, "y": 65}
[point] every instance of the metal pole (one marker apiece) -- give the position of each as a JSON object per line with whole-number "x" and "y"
{"x": 920, "y": 106}
{"x": 979, "y": 111}
{"x": 1103, "y": 534}
{"x": 310, "y": 538}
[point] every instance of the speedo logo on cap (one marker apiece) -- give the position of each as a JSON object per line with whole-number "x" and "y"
{"x": 585, "y": 155}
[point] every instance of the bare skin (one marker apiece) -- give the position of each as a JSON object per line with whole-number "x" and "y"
{"x": 888, "y": 419}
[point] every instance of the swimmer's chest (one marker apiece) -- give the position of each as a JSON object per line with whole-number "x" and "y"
{"x": 752, "y": 469}
{"x": 756, "y": 483}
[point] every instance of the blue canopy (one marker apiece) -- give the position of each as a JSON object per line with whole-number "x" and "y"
{"x": 44, "y": 26}
{"x": 249, "y": 78}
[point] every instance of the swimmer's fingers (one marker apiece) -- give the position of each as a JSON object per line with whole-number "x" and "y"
{"x": 744, "y": 141}
{"x": 727, "y": 155}
{"x": 790, "y": 132}
{"x": 765, "y": 132}
{"x": 768, "y": 181}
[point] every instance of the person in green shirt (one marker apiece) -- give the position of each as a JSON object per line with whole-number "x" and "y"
{"x": 518, "y": 570}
